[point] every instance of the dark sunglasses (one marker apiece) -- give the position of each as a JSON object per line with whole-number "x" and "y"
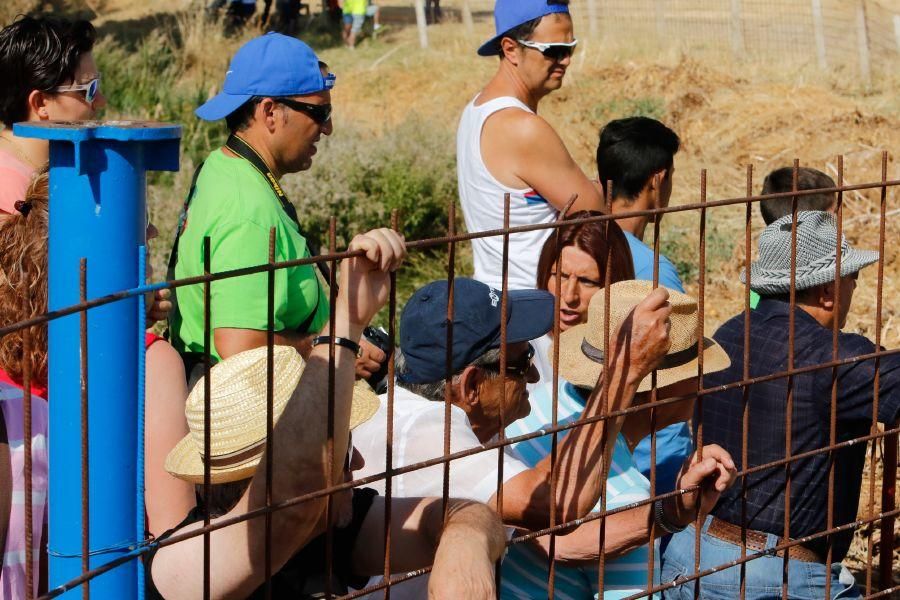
{"x": 320, "y": 113}
{"x": 556, "y": 51}
{"x": 521, "y": 366}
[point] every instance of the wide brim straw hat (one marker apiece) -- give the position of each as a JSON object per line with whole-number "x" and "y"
{"x": 582, "y": 348}
{"x": 238, "y": 414}
{"x": 816, "y": 255}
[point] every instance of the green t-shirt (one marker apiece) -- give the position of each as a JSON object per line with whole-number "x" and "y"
{"x": 355, "y": 7}
{"x": 754, "y": 299}
{"x": 235, "y": 206}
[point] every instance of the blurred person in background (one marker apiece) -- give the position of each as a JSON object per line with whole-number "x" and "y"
{"x": 637, "y": 156}
{"x": 433, "y": 12}
{"x": 354, "y": 18}
{"x": 504, "y": 147}
{"x": 781, "y": 181}
{"x": 823, "y": 302}
{"x": 463, "y": 547}
{"x": 23, "y": 295}
{"x": 484, "y": 398}
{"x": 627, "y": 534}
{"x": 48, "y": 72}
{"x": 276, "y": 102}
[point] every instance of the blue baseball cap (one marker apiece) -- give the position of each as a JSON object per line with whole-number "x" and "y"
{"x": 476, "y": 325}
{"x": 512, "y": 13}
{"x": 269, "y": 65}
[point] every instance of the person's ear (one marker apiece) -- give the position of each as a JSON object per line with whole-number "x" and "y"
{"x": 37, "y": 105}
{"x": 509, "y": 48}
{"x": 469, "y": 385}
{"x": 826, "y": 294}
{"x": 266, "y": 113}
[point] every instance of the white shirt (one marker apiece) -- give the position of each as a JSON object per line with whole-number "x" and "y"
{"x": 481, "y": 198}
{"x": 419, "y": 436}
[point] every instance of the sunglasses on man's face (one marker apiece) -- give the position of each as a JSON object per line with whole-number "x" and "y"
{"x": 320, "y": 113}
{"x": 90, "y": 89}
{"x": 556, "y": 51}
{"x": 520, "y": 366}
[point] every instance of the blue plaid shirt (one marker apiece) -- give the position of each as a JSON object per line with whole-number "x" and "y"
{"x": 723, "y": 412}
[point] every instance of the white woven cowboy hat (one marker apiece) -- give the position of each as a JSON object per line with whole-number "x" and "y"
{"x": 582, "y": 348}
{"x": 816, "y": 255}
{"x": 238, "y": 414}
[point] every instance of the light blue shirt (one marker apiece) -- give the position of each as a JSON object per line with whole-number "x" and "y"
{"x": 525, "y": 572}
{"x": 673, "y": 444}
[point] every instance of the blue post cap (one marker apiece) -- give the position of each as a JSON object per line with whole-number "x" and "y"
{"x": 476, "y": 325}
{"x": 512, "y": 13}
{"x": 270, "y": 65}
{"x": 164, "y": 136}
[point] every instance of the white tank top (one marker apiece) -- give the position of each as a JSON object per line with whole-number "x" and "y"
{"x": 481, "y": 198}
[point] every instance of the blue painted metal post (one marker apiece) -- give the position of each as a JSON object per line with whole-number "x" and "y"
{"x": 97, "y": 212}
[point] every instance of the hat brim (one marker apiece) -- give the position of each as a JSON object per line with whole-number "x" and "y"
{"x": 766, "y": 282}
{"x": 221, "y": 105}
{"x": 491, "y": 47}
{"x": 581, "y": 371}
{"x": 185, "y": 462}
{"x": 530, "y": 315}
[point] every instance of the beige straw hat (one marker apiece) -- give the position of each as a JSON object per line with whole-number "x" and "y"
{"x": 582, "y": 348}
{"x": 238, "y": 414}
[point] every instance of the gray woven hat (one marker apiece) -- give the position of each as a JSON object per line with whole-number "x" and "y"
{"x": 816, "y": 254}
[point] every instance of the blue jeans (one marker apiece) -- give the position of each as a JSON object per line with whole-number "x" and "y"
{"x": 763, "y": 575}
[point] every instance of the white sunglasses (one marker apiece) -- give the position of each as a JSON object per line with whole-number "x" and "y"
{"x": 90, "y": 89}
{"x": 554, "y": 51}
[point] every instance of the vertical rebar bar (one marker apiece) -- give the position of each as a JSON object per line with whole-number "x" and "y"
{"x": 329, "y": 473}
{"x": 85, "y": 432}
{"x": 448, "y": 358}
{"x": 651, "y": 555}
{"x": 270, "y": 414}
{"x": 207, "y": 419}
{"x": 504, "y": 312}
{"x": 701, "y": 279}
{"x": 745, "y": 417}
{"x": 26, "y": 443}
{"x": 389, "y": 433}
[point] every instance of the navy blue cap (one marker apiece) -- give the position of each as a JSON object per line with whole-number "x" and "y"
{"x": 512, "y": 13}
{"x": 476, "y": 325}
{"x": 269, "y": 65}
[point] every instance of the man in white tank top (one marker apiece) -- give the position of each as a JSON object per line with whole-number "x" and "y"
{"x": 504, "y": 147}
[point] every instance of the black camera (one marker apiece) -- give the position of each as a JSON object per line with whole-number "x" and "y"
{"x": 381, "y": 340}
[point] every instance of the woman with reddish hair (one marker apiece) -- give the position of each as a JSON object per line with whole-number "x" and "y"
{"x": 579, "y": 256}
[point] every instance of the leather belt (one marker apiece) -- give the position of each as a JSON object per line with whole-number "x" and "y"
{"x": 756, "y": 540}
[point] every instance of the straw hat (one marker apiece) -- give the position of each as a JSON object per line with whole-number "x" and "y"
{"x": 816, "y": 255}
{"x": 238, "y": 414}
{"x": 582, "y": 348}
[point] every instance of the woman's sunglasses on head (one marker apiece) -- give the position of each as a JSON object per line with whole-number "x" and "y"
{"x": 90, "y": 89}
{"x": 556, "y": 51}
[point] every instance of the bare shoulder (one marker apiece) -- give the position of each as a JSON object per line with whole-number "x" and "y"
{"x": 520, "y": 127}
{"x": 164, "y": 362}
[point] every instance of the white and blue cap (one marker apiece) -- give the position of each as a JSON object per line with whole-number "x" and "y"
{"x": 509, "y": 14}
{"x": 270, "y": 65}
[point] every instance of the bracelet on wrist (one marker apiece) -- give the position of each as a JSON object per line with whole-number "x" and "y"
{"x": 662, "y": 521}
{"x": 338, "y": 341}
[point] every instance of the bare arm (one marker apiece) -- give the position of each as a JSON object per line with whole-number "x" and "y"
{"x": 167, "y": 498}
{"x": 299, "y": 439}
{"x": 541, "y": 160}
{"x": 636, "y": 349}
{"x": 463, "y": 552}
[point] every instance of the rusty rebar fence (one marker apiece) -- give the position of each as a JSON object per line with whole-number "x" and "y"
{"x": 886, "y": 438}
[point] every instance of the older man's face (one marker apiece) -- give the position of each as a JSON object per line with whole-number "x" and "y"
{"x": 512, "y": 401}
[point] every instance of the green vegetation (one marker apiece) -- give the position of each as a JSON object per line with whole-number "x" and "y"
{"x": 620, "y": 108}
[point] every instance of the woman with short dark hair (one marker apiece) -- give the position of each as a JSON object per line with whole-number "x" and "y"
{"x": 48, "y": 73}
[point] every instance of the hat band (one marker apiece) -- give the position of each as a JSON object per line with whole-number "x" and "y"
{"x": 669, "y": 361}
{"x": 237, "y": 458}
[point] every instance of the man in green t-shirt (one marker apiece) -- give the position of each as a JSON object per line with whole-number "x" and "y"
{"x": 276, "y": 102}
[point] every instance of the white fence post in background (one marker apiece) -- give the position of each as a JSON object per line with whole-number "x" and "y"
{"x": 467, "y": 17}
{"x": 862, "y": 38}
{"x": 737, "y": 29}
{"x": 422, "y": 24}
{"x": 593, "y": 27}
{"x": 897, "y": 31}
{"x": 819, "y": 29}
{"x": 661, "y": 21}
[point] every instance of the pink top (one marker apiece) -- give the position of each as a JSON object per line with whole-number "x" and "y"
{"x": 12, "y": 576}
{"x": 15, "y": 177}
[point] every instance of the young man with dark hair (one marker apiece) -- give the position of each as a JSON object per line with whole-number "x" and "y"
{"x": 48, "y": 73}
{"x": 276, "y": 100}
{"x": 504, "y": 147}
{"x": 637, "y": 157}
{"x": 755, "y": 514}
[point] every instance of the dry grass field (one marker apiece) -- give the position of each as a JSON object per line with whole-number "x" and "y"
{"x": 397, "y": 107}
